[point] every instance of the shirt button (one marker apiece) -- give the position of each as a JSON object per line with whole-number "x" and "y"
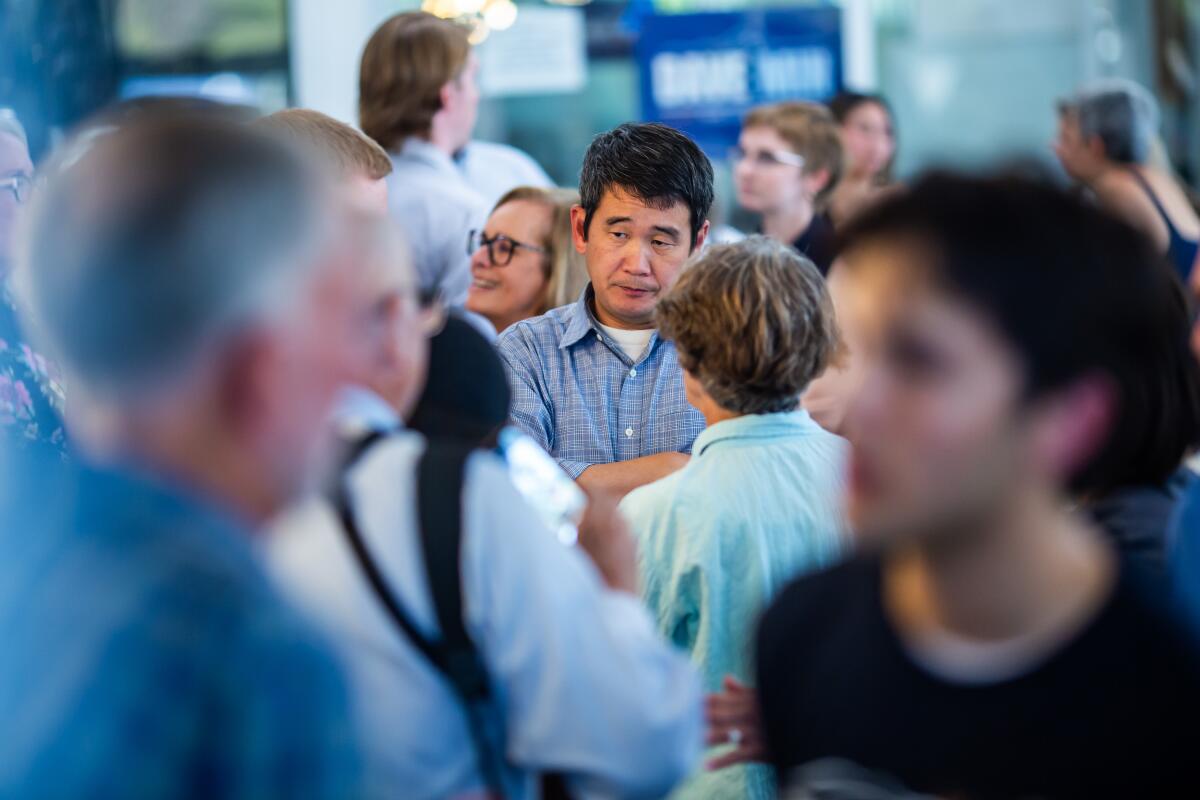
{"x": 629, "y": 432}
{"x": 633, "y": 373}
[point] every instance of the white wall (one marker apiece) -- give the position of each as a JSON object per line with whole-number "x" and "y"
{"x": 327, "y": 38}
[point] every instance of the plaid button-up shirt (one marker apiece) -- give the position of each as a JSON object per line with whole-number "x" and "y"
{"x": 585, "y": 401}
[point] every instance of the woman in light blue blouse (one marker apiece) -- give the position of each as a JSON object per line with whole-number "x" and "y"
{"x": 761, "y": 499}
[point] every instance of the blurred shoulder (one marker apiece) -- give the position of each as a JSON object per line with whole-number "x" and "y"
{"x": 822, "y": 598}
{"x": 645, "y": 503}
{"x": 495, "y": 152}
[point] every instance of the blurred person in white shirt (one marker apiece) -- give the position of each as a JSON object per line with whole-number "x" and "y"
{"x": 580, "y": 684}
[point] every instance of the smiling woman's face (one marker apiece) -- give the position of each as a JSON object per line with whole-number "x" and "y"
{"x": 516, "y": 291}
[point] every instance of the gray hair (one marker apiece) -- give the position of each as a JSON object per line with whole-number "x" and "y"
{"x": 1123, "y": 114}
{"x": 9, "y": 124}
{"x": 157, "y": 241}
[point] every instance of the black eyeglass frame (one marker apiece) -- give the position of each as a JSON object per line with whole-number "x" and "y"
{"x": 477, "y": 239}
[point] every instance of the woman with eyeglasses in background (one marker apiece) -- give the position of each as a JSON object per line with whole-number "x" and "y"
{"x": 786, "y": 165}
{"x": 523, "y": 262}
{"x": 868, "y": 132}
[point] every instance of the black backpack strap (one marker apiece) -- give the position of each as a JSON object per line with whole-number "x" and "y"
{"x": 440, "y": 479}
{"x": 439, "y": 490}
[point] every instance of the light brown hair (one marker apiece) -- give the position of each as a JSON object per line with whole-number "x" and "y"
{"x": 811, "y": 131}
{"x": 407, "y": 61}
{"x": 349, "y": 151}
{"x": 566, "y": 270}
{"x": 752, "y": 322}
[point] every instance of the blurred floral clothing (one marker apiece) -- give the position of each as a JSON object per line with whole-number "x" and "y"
{"x": 31, "y": 392}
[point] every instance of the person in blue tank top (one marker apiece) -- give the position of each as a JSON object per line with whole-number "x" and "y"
{"x": 1107, "y": 137}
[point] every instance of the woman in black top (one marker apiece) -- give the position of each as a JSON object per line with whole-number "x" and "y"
{"x": 786, "y": 164}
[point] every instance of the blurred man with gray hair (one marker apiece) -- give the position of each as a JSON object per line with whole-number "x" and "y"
{"x": 189, "y": 275}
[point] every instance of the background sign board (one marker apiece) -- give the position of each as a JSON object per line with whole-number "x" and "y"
{"x": 702, "y": 72}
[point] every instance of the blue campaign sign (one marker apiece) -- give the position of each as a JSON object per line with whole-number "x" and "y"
{"x": 702, "y": 72}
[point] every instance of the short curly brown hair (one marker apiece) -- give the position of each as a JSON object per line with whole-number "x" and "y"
{"x": 752, "y": 322}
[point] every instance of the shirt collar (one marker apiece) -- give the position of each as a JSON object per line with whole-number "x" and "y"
{"x": 756, "y": 426}
{"x": 421, "y": 150}
{"x": 581, "y": 321}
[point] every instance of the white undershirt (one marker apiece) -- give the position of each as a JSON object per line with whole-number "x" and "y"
{"x": 632, "y": 343}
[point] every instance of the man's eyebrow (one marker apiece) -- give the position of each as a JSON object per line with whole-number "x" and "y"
{"x": 617, "y": 220}
{"x": 668, "y": 230}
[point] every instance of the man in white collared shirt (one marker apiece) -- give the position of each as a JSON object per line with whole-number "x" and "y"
{"x": 419, "y": 99}
{"x": 581, "y": 684}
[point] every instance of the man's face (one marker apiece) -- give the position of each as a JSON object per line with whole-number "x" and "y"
{"x": 14, "y": 164}
{"x": 939, "y": 440}
{"x": 634, "y": 253}
{"x": 392, "y": 329}
{"x": 461, "y": 101}
{"x": 316, "y": 353}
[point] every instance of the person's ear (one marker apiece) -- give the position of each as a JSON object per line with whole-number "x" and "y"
{"x": 701, "y": 236}
{"x": 446, "y": 96}
{"x": 395, "y": 325}
{"x": 1072, "y": 425}
{"x": 578, "y": 231}
{"x": 243, "y": 380}
{"x": 1095, "y": 147}
{"x": 815, "y": 182}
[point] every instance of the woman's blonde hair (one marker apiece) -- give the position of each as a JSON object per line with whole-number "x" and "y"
{"x": 566, "y": 270}
{"x": 752, "y": 321}
{"x": 811, "y": 131}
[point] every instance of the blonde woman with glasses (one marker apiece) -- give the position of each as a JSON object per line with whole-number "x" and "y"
{"x": 523, "y": 262}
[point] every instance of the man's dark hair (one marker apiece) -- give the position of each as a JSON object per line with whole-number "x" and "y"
{"x": 1074, "y": 291}
{"x": 1159, "y": 419}
{"x": 655, "y": 163}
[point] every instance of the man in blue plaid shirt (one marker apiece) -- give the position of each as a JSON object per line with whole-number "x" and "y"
{"x": 592, "y": 382}
{"x": 190, "y": 276}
